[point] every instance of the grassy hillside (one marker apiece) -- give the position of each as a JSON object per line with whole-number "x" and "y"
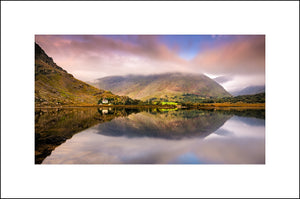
{"x": 257, "y": 98}
{"x": 54, "y": 86}
{"x": 163, "y": 87}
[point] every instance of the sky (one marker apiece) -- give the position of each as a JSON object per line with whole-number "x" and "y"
{"x": 236, "y": 61}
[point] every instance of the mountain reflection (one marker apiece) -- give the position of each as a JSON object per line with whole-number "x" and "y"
{"x": 174, "y": 124}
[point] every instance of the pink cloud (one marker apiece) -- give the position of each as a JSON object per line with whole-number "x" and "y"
{"x": 242, "y": 56}
{"x": 146, "y": 46}
{"x": 89, "y": 57}
{"x": 99, "y": 53}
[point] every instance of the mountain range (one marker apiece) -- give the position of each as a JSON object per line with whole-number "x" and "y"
{"x": 54, "y": 86}
{"x": 167, "y": 86}
{"x": 250, "y": 90}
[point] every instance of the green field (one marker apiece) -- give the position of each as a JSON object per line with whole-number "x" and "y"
{"x": 165, "y": 103}
{"x": 169, "y": 103}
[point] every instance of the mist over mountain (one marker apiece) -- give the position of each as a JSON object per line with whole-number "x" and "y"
{"x": 170, "y": 86}
{"x": 222, "y": 79}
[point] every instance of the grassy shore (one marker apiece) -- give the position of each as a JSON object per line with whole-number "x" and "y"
{"x": 202, "y": 105}
{"x": 114, "y": 106}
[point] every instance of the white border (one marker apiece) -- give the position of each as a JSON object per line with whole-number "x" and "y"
{"x": 278, "y": 20}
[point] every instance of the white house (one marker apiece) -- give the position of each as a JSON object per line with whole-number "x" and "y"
{"x": 104, "y": 111}
{"x": 105, "y": 101}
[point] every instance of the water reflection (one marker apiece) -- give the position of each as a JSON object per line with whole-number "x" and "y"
{"x": 175, "y": 124}
{"x": 138, "y": 136}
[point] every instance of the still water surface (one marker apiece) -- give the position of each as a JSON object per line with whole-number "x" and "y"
{"x": 149, "y": 136}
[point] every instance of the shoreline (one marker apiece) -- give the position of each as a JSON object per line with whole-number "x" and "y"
{"x": 199, "y": 106}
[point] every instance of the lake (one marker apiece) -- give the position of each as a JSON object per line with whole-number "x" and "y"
{"x": 111, "y": 135}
